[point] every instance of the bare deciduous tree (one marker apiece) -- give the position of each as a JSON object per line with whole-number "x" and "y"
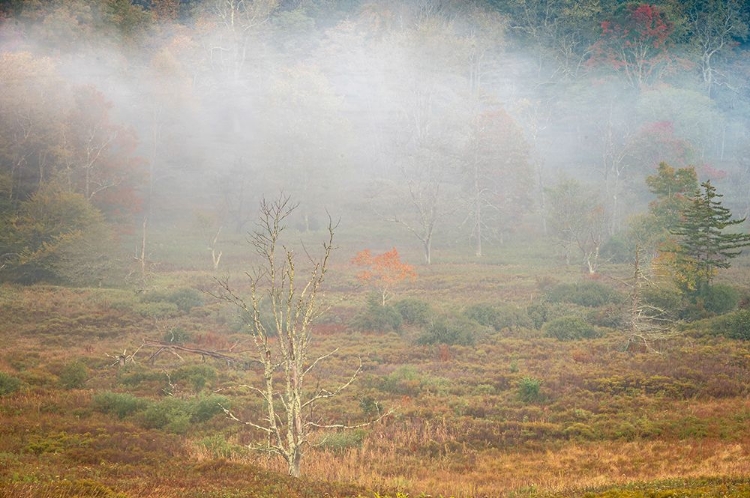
{"x": 283, "y": 346}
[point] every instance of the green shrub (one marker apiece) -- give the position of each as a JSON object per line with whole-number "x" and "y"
{"x": 177, "y": 335}
{"x": 414, "y": 311}
{"x": 569, "y": 328}
{"x": 196, "y": 375}
{"x": 120, "y": 404}
{"x": 499, "y": 317}
{"x": 170, "y": 414}
{"x": 541, "y": 312}
{"x": 205, "y": 408}
{"x": 156, "y": 310}
{"x": 182, "y": 300}
{"x": 409, "y": 381}
{"x": 74, "y": 375}
{"x": 378, "y": 317}
{"x": 529, "y": 390}
{"x": 220, "y": 448}
{"x": 610, "y": 316}
{"x": 453, "y": 330}
{"x": 338, "y": 442}
{"x": 370, "y": 406}
{"x": 186, "y": 299}
{"x": 8, "y": 384}
{"x": 720, "y": 299}
{"x": 734, "y": 325}
{"x": 589, "y": 293}
{"x": 175, "y": 415}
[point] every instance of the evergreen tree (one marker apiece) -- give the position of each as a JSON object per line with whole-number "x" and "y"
{"x": 702, "y": 246}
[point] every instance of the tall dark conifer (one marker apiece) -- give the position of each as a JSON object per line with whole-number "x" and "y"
{"x": 703, "y": 247}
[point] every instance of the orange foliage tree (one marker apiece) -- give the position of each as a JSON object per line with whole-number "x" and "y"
{"x": 383, "y": 271}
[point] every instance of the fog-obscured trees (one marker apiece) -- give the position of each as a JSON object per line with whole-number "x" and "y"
{"x": 578, "y": 221}
{"x": 496, "y": 175}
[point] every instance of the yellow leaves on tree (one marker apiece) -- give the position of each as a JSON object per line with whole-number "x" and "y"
{"x": 383, "y": 271}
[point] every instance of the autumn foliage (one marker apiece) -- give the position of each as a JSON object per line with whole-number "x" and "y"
{"x": 383, "y": 271}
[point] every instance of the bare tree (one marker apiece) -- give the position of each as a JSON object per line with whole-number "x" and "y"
{"x": 283, "y": 346}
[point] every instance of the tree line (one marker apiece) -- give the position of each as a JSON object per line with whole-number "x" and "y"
{"x": 486, "y": 119}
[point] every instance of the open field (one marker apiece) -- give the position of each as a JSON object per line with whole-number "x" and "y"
{"x": 510, "y": 412}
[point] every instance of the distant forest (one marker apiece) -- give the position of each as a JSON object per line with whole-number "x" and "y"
{"x": 438, "y": 121}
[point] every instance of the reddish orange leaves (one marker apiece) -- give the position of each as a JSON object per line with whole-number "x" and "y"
{"x": 383, "y": 271}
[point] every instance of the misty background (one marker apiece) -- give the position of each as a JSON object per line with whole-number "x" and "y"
{"x": 424, "y": 123}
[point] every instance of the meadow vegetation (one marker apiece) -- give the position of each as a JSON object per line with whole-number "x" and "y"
{"x": 504, "y": 381}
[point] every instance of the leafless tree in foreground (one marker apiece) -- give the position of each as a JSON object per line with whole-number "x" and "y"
{"x": 283, "y": 347}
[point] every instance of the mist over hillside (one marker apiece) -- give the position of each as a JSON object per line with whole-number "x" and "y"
{"x": 450, "y": 118}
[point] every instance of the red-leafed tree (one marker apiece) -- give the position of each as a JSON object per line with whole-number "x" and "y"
{"x": 383, "y": 271}
{"x": 497, "y": 176}
{"x": 655, "y": 143}
{"x": 101, "y": 156}
{"x": 636, "y": 42}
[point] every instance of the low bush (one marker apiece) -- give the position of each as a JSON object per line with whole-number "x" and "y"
{"x": 195, "y": 375}
{"x": 377, "y": 317}
{"x": 177, "y": 335}
{"x": 611, "y": 316}
{"x": 541, "y": 312}
{"x": 570, "y": 328}
{"x": 74, "y": 375}
{"x": 120, "y": 404}
{"x": 183, "y": 299}
{"x": 451, "y": 330}
{"x": 529, "y": 390}
{"x": 720, "y": 299}
{"x": 220, "y": 448}
{"x": 499, "y": 317}
{"x": 170, "y": 414}
{"x": 589, "y": 293}
{"x": 338, "y": 442}
{"x": 175, "y": 415}
{"x": 734, "y": 325}
{"x": 414, "y": 311}
{"x": 8, "y": 384}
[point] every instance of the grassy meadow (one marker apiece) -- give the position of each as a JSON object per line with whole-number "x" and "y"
{"x": 513, "y": 375}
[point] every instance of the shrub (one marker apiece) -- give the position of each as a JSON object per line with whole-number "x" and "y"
{"x": 186, "y": 299}
{"x": 370, "y": 406}
{"x": 720, "y": 299}
{"x": 414, "y": 311}
{"x": 196, "y": 375}
{"x": 499, "y": 317}
{"x": 175, "y": 415}
{"x": 589, "y": 293}
{"x": 205, "y": 408}
{"x": 529, "y": 390}
{"x": 454, "y": 330}
{"x": 733, "y": 325}
{"x": 569, "y": 328}
{"x": 541, "y": 312}
{"x": 338, "y": 442}
{"x": 170, "y": 414}
{"x": 409, "y": 381}
{"x": 74, "y": 375}
{"x": 378, "y": 317}
{"x": 181, "y": 299}
{"x": 8, "y": 384}
{"x": 177, "y": 335}
{"x": 220, "y": 448}
{"x": 121, "y": 404}
{"x": 610, "y": 316}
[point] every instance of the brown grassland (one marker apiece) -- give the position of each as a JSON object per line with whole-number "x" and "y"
{"x": 510, "y": 412}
